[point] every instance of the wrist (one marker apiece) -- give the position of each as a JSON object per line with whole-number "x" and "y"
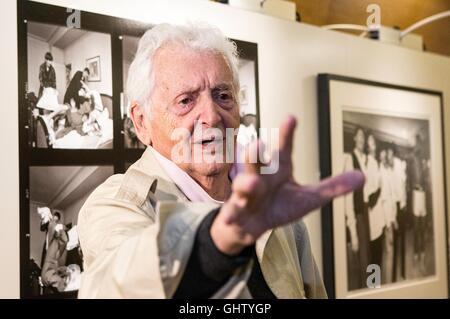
{"x": 229, "y": 238}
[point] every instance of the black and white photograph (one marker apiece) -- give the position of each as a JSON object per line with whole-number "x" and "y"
{"x": 388, "y": 238}
{"x": 248, "y": 127}
{"x": 390, "y": 221}
{"x": 69, "y": 88}
{"x": 56, "y": 196}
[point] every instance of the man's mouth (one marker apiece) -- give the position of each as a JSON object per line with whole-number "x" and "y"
{"x": 208, "y": 141}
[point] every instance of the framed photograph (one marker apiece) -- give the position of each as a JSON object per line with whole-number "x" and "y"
{"x": 63, "y": 113}
{"x": 57, "y": 193}
{"x": 93, "y": 64}
{"x": 389, "y": 239}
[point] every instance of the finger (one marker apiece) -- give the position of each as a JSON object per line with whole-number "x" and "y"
{"x": 247, "y": 188}
{"x": 286, "y": 141}
{"x": 252, "y": 163}
{"x": 315, "y": 196}
{"x": 244, "y": 184}
{"x": 301, "y": 200}
{"x": 342, "y": 184}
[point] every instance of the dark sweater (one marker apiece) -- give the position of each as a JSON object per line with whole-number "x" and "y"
{"x": 208, "y": 269}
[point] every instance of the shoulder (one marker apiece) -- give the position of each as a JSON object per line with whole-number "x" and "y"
{"x": 131, "y": 188}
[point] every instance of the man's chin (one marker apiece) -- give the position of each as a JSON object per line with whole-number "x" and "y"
{"x": 211, "y": 169}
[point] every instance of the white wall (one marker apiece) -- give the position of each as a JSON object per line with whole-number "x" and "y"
{"x": 9, "y": 161}
{"x": 90, "y": 45}
{"x": 290, "y": 56}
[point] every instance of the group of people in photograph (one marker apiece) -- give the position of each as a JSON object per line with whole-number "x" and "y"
{"x": 81, "y": 113}
{"x": 397, "y": 191}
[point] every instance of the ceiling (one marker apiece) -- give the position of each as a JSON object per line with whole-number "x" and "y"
{"x": 398, "y": 13}
{"x": 60, "y": 37}
{"x": 59, "y": 186}
{"x": 400, "y": 130}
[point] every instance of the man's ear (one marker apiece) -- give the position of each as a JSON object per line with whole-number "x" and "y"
{"x": 141, "y": 123}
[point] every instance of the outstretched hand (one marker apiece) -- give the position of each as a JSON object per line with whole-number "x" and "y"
{"x": 262, "y": 202}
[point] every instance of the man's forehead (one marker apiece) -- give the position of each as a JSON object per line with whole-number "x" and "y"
{"x": 184, "y": 66}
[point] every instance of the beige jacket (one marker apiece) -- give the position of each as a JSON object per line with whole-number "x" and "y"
{"x": 137, "y": 230}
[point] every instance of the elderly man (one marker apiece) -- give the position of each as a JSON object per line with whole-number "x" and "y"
{"x": 186, "y": 228}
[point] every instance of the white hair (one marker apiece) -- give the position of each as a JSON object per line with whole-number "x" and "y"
{"x": 201, "y": 37}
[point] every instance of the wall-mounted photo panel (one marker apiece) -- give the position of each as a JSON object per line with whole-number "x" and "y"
{"x": 69, "y": 87}
{"x": 398, "y": 156}
{"x": 56, "y": 195}
{"x": 388, "y": 239}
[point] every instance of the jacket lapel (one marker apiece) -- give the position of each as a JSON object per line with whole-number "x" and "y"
{"x": 279, "y": 262}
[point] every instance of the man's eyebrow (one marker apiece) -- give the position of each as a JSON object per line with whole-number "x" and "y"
{"x": 223, "y": 86}
{"x": 187, "y": 90}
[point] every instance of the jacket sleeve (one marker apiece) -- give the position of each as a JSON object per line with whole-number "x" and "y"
{"x": 135, "y": 249}
{"x": 208, "y": 268}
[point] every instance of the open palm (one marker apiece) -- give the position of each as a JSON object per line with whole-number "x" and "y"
{"x": 262, "y": 202}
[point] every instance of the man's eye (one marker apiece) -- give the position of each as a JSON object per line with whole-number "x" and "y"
{"x": 186, "y": 101}
{"x": 224, "y": 96}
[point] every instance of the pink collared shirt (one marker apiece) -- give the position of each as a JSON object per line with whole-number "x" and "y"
{"x": 190, "y": 188}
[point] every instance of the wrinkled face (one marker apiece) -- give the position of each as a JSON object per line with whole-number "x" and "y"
{"x": 193, "y": 91}
{"x": 359, "y": 140}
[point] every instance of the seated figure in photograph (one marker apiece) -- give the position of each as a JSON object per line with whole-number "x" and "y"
{"x": 77, "y": 84}
{"x": 191, "y": 227}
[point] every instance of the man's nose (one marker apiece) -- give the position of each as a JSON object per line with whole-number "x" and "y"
{"x": 210, "y": 114}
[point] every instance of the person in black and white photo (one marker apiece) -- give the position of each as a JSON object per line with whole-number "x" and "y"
{"x": 419, "y": 209}
{"x": 399, "y": 190}
{"x": 392, "y": 154}
{"x": 47, "y": 75}
{"x": 56, "y": 195}
{"x": 356, "y": 210}
{"x": 69, "y": 110}
{"x": 389, "y": 210}
{"x": 376, "y": 213}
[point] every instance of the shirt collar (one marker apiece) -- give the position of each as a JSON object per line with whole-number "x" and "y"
{"x": 190, "y": 188}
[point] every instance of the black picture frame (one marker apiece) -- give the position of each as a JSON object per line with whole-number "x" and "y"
{"x": 325, "y": 152}
{"x": 119, "y": 157}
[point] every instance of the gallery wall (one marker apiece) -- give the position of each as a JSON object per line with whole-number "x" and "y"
{"x": 290, "y": 57}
